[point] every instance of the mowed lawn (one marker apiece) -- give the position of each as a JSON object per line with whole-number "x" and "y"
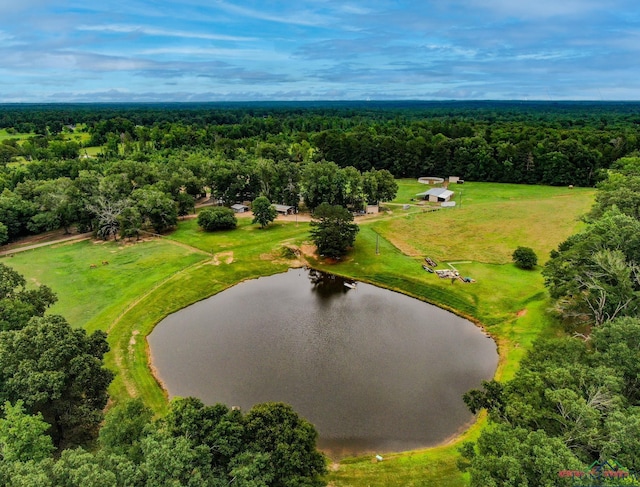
{"x": 248, "y": 240}
{"x": 92, "y": 297}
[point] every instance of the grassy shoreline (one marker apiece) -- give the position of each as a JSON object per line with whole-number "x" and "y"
{"x": 146, "y": 281}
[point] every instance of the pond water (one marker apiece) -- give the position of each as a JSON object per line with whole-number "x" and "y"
{"x": 372, "y": 369}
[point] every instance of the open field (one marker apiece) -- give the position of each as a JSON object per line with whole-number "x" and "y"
{"x": 94, "y": 297}
{"x": 4, "y": 135}
{"x": 145, "y": 281}
{"x": 491, "y": 222}
{"x": 76, "y": 136}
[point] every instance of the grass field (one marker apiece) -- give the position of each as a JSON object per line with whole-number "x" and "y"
{"x": 145, "y": 281}
{"x": 77, "y": 135}
{"x": 4, "y": 135}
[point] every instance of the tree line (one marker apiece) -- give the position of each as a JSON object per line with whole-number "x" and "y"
{"x": 122, "y": 196}
{"x": 154, "y": 161}
{"x": 575, "y": 402}
{"x": 533, "y": 143}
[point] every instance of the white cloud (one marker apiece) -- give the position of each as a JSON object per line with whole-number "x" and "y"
{"x": 303, "y": 18}
{"x": 538, "y": 8}
{"x": 154, "y": 31}
{"x": 246, "y": 54}
{"x": 355, "y": 9}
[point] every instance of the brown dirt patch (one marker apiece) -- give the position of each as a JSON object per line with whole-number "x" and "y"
{"x": 223, "y": 257}
{"x": 404, "y": 247}
{"x": 522, "y": 312}
{"x": 132, "y": 340}
{"x": 308, "y": 250}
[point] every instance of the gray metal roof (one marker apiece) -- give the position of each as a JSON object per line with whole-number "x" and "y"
{"x": 282, "y": 207}
{"x": 439, "y": 192}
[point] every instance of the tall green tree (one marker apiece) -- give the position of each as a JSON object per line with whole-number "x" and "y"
{"x": 22, "y": 436}
{"x": 333, "y": 230}
{"x": 515, "y": 457}
{"x": 57, "y": 206}
{"x": 124, "y": 428}
{"x": 15, "y": 213}
{"x": 288, "y": 441}
{"x": 4, "y": 234}
{"x": 263, "y": 211}
{"x": 593, "y": 276}
{"x": 57, "y": 371}
{"x": 321, "y": 183}
{"x": 19, "y": 304}
{"x": 618, "y": 345}
{"x": 176, "y": 461}
{"x": 156, "y": 207}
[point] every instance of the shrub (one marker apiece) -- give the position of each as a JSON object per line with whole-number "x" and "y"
{"x": 525, "y": 258}
{"x": 217, "y": 218}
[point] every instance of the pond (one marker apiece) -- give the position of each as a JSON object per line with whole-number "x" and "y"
{"x": 372, "y": 369}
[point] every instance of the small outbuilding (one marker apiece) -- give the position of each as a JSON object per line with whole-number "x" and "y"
{"x": 238, "y": 208}
{"x": 430, "y": 180}
{"x": 285, "y": 209}
{"x": 436, "y": 195}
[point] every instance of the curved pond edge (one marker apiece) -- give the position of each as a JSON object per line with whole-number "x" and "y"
{"x": 411, "y": 359}
{"x": 140, "y": 338}
{"x": 130, "y": 355}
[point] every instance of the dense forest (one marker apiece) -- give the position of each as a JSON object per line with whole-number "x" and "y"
{"x": 117, "y": 170}
{"x": 150, "y": 163}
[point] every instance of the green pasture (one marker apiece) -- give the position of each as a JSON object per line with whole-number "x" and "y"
{"x": 145, "y": 281}
{"x": 93, "y": 297}
{"x": 4, "y": 135}
{"x": 492, "y": 221}
{"x": 246, "y": 240}
{"x": 76, "y": 136}
{"x": 91, "y": 151}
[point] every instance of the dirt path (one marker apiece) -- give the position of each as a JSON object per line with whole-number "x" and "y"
{"x": 179, "y": 244}
{"x": 118, "y": 352}
{"x": 72, "y": 238}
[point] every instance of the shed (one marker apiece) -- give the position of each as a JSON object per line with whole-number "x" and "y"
{"x": 238, "y": 208}
{"x": 285, "y": 209}
{"x": 430, "y": 180}
{"x": 436, "y": 195}
{"x": 373, "y": 209}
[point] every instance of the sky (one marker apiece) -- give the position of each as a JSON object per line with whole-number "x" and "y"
{"x": 241, "y": 50}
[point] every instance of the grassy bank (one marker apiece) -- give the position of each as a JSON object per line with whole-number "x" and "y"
{"x": 145, "y": 281}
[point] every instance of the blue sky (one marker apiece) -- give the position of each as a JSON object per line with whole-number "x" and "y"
{"x": 229, "y": 50}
